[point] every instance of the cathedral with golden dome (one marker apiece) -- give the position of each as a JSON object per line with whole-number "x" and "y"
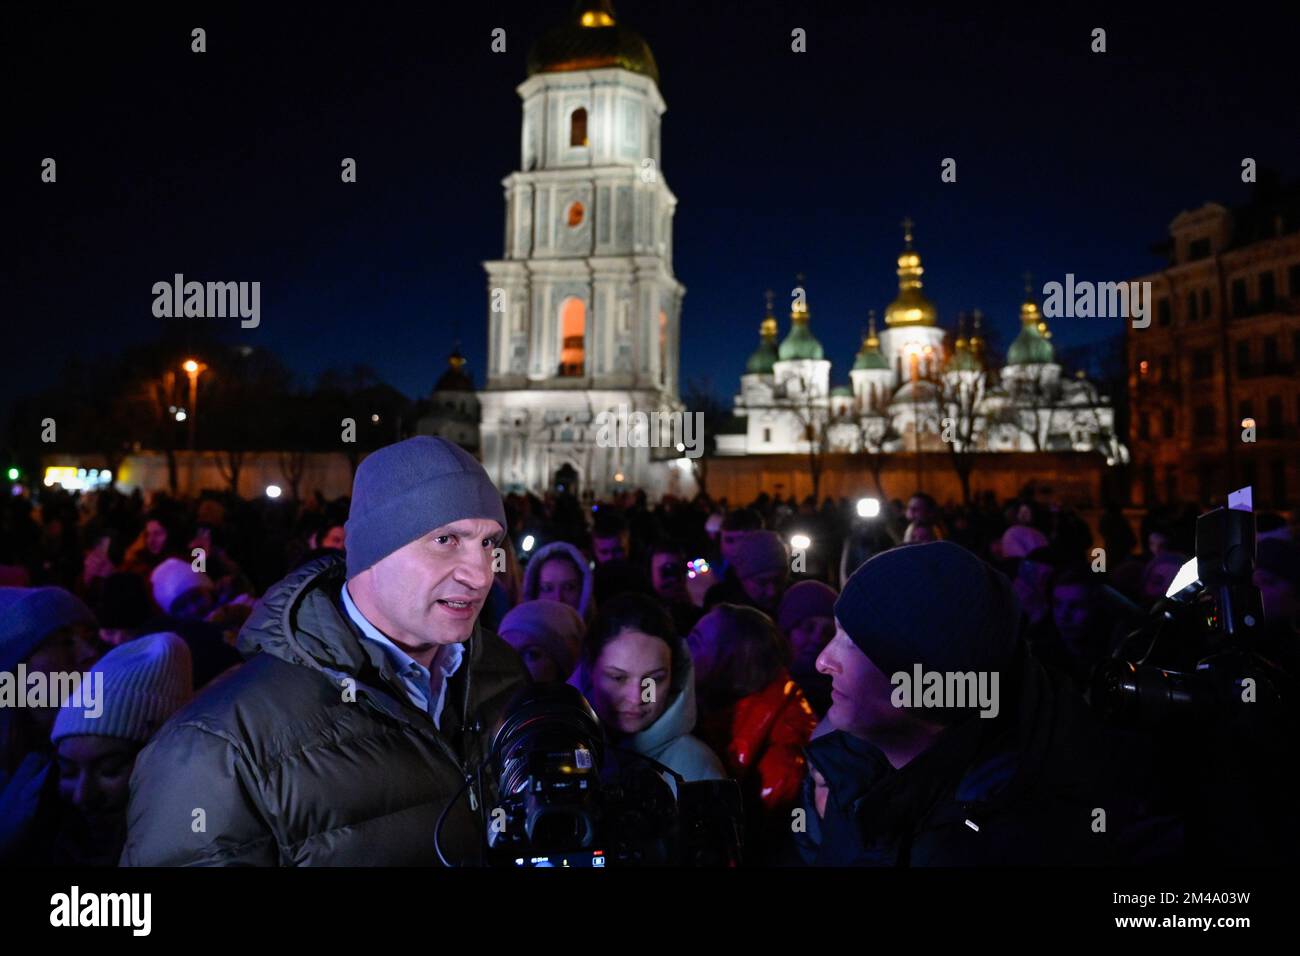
{"x": 584, "y": 313}
{"x": 915, "y": 386}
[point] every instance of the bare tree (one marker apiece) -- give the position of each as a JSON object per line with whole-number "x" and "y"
{"x": 293, "y": 465}
{"x": 159, "y": 395}
{"x": 872, "y": 424}
{"x": 811, "y": 411}
{"x": 956, "y": 400}
{"x": 1088, "y": 418}
{"x": 380, "y": 414}
{"x": 699, "y": 397}
{"x": 1031, "y": 400}
{"x": 231, "y": 464}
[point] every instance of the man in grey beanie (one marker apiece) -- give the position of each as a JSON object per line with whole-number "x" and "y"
{"x": 368, "y": 699}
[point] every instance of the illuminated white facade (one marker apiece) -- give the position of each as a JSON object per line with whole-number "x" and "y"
{"x": 584, "y": 311}
{"x": 910, "y": 387}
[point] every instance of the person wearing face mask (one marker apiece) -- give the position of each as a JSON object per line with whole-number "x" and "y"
{"x": 145, "y": 681}
{"x": 560, "y": 572}
{"x": 638, "y": 676}
{"x": 368, "y": 697}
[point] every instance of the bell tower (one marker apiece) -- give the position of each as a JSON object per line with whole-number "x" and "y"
{"x": 583, "y": 308}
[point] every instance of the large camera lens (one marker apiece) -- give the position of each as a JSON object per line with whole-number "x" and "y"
{"x": 547, "y": 757}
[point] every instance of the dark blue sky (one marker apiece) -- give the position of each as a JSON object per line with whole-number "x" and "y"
{"x": 226, "y": 165}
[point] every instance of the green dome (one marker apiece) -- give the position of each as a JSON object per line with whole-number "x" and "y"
{"x": 870, "y": 360}
{"x": 762, "y": 360}
{"x": 592, "y": 39}
{"x": 964, "y": 362}
{"x": 800, "y": 343}
{"x": 764, "y": 357}
{"x": 1030, "y": 348}
{"x": 842, "y": 390}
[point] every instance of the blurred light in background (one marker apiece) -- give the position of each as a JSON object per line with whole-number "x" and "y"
{"x": 868, "y": 507}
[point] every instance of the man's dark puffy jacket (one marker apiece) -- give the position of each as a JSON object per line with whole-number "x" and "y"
{"x": 310, "y": 753}
{"x": 1022, "y": 788}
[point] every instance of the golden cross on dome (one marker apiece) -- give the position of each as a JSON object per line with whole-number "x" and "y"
{"x": 1029, "y": 283}
{"x": 768, "y": 294}
{"x": 907, "y": 225}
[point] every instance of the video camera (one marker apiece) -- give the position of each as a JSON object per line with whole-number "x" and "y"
{"x": 1195, "y": 654}
{"x": 568, "y": 799}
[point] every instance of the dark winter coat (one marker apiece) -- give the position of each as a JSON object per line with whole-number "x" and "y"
{"x": 1022, "y": 788}
{"x": 278, "y": 763}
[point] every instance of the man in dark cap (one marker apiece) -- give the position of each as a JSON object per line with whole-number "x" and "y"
{"x": 951, "y": 745}
{"x": 368, "y": 699}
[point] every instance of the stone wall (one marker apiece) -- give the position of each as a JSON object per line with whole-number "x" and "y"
{"x": 1077, "y": 479}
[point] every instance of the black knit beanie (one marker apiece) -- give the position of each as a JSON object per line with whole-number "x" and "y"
{"x": 934, "y": 604}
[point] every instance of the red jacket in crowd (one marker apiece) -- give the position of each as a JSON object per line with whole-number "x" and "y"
{"x": 761, "y": 739}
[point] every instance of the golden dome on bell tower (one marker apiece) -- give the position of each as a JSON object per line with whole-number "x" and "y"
{"x": 592, "y": 39}
{"x": 911, "y": 307}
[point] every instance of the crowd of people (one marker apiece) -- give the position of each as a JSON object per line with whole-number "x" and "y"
{"x": 318, "y": 681}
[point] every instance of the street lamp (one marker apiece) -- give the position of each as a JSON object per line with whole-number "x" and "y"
{"x": 193, "y": 369}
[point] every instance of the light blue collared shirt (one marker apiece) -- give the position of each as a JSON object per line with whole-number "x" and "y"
{"x": 426, "y": 689}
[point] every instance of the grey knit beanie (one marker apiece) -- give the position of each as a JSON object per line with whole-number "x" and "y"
{"x": 404, "y": 491}
{"x": 141, "y": 683}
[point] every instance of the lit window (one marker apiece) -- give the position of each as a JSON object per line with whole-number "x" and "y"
{"x": 573, "y": 320}
{"x": 576, "y": 213}
{"x": 578, "y": 127}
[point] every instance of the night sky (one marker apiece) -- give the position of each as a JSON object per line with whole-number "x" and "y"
{"x": 225, "y": 165}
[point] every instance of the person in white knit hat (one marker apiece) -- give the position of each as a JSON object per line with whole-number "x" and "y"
{"x": 145, "y": 681}
{"x": 181, "y": 591}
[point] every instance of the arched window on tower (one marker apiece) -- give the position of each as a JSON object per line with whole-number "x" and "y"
{"x": 573, "y": 322}
{"x": 578, "y": 127}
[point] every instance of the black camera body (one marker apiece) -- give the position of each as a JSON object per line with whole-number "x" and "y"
{"x": 1194, "y": 656}
{"x": 1212, "y": 719}
{"x": 567, "y": 799}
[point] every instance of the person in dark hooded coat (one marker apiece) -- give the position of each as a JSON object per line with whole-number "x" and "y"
{"x": 1022, "y": 774}
{"x": 354, "y": 732}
